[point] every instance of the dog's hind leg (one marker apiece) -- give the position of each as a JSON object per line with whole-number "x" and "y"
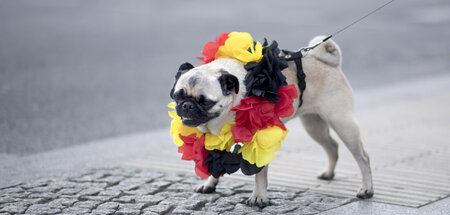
{"x": 209, "y": 186}
{"x": 347, "y": 129}
{"x": 319, "y": 131}
{"x": 259, "y": 195}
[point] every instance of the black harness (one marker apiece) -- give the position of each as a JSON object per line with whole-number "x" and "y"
{"x": 297, "y": 58}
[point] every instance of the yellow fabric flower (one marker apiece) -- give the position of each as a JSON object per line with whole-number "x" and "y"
{"x": 263, "y": 146}
{"x": 221, "y": 142}
{"x": 177, "y": 127}
{"x": 239, "y": 45}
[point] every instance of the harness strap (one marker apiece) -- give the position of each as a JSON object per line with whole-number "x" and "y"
{"x": 297, "y": 58}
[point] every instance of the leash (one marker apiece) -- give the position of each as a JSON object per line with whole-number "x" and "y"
{"x": 306, "y": 49}
{"x": 296, "y": 56}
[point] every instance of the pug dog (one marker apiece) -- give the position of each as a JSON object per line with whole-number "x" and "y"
{"x": 205, "y": 94}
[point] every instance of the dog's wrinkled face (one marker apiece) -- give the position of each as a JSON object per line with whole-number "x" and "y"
{"x": 202, "y": 93}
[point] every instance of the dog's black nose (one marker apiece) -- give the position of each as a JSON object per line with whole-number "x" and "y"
{"x": 188, "y": 105}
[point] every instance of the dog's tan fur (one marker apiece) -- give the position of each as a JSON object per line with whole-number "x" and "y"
{"x": 327, "y": 103}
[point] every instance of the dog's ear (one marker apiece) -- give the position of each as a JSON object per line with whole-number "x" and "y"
{"x": 228, "y": 83}
{"x": 185, "y": 67}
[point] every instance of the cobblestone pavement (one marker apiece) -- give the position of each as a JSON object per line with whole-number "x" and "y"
{"x": 135, "y": 191}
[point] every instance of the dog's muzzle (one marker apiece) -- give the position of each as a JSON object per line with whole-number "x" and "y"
{"x": 192, "y": 114}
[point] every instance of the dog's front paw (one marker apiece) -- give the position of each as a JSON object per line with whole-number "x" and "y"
{"x": 205, "y": 188}
{"x": 258, "y": 200}
{"x": 365, "y": 193}
{"x": 326, "y": 175}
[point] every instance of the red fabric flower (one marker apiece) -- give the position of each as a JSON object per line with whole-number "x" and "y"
{"x": 193, "y": 149}
{"x": 284, "y": 107}
{"x": 255, "y": 113}
{"x": 210, "y": 48}
{"x": 251, "y": 115}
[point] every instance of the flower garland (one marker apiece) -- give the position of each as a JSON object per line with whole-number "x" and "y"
{"x": 257, "y": 126}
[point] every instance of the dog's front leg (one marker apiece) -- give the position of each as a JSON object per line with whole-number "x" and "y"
{"x": 259, "y": 195}
{"x": 209, "y": 186}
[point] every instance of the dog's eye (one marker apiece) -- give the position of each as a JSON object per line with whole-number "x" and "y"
{"x": 201, "y": 99}
{"x": 179, "y": 94}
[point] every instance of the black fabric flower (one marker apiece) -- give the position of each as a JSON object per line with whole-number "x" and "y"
{"x": 221, "y": 162}
{"x": 265, "y": 78}
{"x": 249, "y": 169}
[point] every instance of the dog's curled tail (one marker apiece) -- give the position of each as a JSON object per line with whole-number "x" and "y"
{"x": 328, "y": 52}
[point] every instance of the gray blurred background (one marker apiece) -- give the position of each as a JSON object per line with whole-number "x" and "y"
{"x": 72, "y": 72}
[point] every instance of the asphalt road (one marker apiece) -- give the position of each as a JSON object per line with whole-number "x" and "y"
{"x": 78, "y": 71}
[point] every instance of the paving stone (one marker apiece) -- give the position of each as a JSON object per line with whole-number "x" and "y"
{"x": 275, "y": 202}
{"x": 20, "y": 195}
{"x": 76, "y": 210}
{"x": 129, "y": 184}
{"x": 308, "y": 199}
{"x": 43, "y": 189}
{"x": 191, "y": 180}
{"x": 234, "y": 199}
{"x": 138, "y": 192}
{"x": 172, "y": 200}
{"x": 43, "y": 209}
{"x": 7, "y": 199}
{"x": 183, "y": 195}
{"x": 258, "y": 213}
{"x": 112, "y": 180}
{"x": 134, "y": 206}
{"x": 280, "y": 208}
{"x": 193, "y": 204}
{"x": 17, "y": 207}
{"x": 207, "y": 197}
{"x": 43, "y": 195}
{"x": 11, "y": 190}
{"x": 219, "y": 207}
{"x": 204, "y": 213}
{"x": 103, "y": 211}
{"x": 90, "y": 191}
{"x": 181, "y": 210}
{"x": 96, "y": 198}
{"x": 130, "y": 208}
{"x": 243, "y": 208}
{"x": 29, "y": 201}
{"x": 69, "y": 191}
{"x": 110, "y": 192}
{"x": 159, "y": 209}
{"x": 160, "y": 184}
{"x": 149, "y": 213}
{"x": 180, "y": 187}
{"x": 281, "y": 195}
{"x": 37, "y": 183}
{"x": 108, "y": 205}
{"x": 125, "y": 199}
{"x": 226, "y": 192}
{"x": 65, "y": 202}
{"x": 86, "y": 204}
{"x": 150, "y": 199}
